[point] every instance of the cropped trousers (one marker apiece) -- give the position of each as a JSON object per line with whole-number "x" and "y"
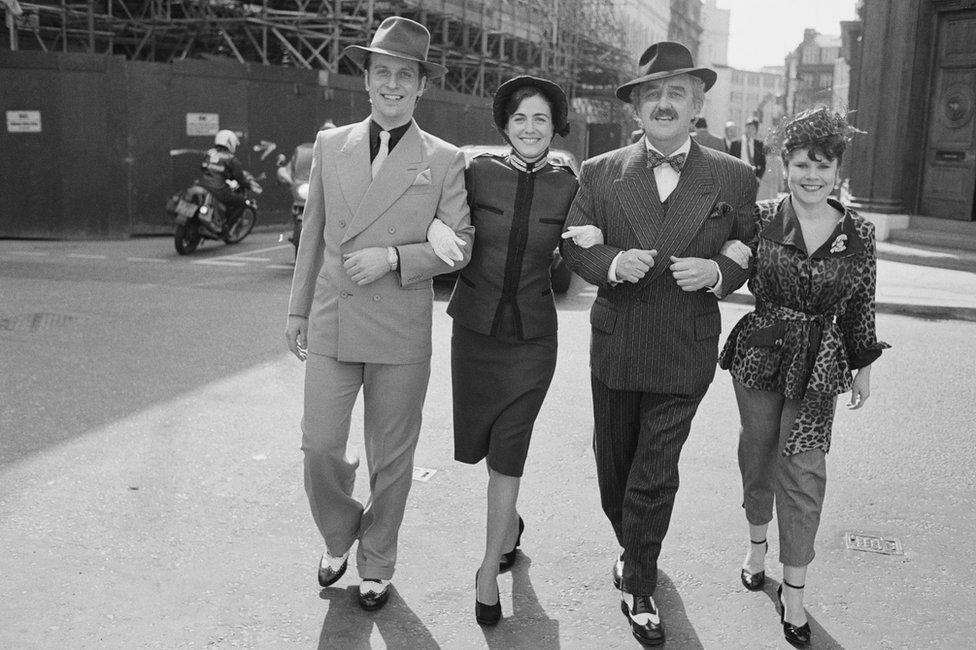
{"x": 794, "y": 484}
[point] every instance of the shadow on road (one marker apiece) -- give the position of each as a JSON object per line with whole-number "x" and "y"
{"x": 346, "y": 625}
{"x": 529, "y": 626}
{"x": 821, "y": 638}
{"x": 680, "y": 632}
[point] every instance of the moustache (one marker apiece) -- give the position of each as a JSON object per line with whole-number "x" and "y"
{"x": 664, "y": 112}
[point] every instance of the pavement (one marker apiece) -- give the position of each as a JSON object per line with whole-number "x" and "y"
{"x": 171, "y": 514}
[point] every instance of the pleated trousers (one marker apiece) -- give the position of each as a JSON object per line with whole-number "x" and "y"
{"x": 637, "y": 440}
{"x": 393, "y": 401}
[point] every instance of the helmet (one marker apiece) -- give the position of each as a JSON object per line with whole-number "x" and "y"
{"x": 226, "y": 138}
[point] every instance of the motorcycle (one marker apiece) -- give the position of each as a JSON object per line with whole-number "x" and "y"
{"x": 294, "y": 172}
{"x": 199, "y": 215}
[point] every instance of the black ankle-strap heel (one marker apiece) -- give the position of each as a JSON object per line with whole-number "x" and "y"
{"x": 797, "y": 636}
{"x": 754, "y": 581}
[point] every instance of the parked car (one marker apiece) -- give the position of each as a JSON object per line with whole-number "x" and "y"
{"x": 559, "y": 271}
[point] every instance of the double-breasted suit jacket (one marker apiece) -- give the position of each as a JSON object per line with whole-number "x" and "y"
{"x": 389, "y": 320}
{"x": 652, "y": 336}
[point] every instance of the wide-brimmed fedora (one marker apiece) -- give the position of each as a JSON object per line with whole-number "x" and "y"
{"x": 663, "y": 60}
{"x": 551, "y": 91}
{"x": 402, "y": 38}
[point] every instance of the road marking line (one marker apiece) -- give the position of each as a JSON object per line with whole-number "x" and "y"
{"x": 260, "y": 250}
{"x": 288, "y": 267}
{"x": 253, "y": 259}
{"x": 146, "y": 259}
{"x": 82, "y": 256}
{"x": 32, "y": 253}
{"x": 216, "y": 262}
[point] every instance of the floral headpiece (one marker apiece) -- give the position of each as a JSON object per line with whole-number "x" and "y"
{"x": 811, "y": 126}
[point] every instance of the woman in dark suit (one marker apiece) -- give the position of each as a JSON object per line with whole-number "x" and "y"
{"x": 503, "y": 348}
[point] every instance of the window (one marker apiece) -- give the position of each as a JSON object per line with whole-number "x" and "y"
{"x": 811, "y": 54}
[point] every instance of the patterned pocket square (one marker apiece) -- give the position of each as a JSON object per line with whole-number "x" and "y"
{"x": 721, "y": 209}
{"x": 423, "y": 178}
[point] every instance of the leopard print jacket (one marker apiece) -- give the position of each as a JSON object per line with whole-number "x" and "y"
{"x": 814, "y": 317}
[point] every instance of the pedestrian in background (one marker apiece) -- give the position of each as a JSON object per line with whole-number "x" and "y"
{"x": 361, "y": 302}
{"x": 731, "y": 133}
{"x": 706, "y": 139}
{"x": 666, "y": 207}
{"x": 814, "y": 322}
{"x": 503, "y": 347}
{"x": 750, "y": 149}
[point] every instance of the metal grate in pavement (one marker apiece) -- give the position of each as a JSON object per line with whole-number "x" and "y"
{"x": 855, "y": 541}
{"x": 35, "y": 322}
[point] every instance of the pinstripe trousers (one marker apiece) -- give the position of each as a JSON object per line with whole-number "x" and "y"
{"x": 637, "y": 440}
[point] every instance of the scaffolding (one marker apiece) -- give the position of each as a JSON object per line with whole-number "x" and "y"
{"x": 573, "y": 42}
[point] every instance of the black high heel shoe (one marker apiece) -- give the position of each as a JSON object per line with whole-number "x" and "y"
{"x": 754, "y": 581}
{"x": 485, "y": 614}
{"x": 508, "y": 559}
{"x": 797, "y": 636}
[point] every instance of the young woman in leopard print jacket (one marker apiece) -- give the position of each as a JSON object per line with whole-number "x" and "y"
{"x": 814, "y": 323}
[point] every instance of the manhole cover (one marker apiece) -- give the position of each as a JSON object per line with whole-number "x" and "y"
{"x": 871, "y": 543}
{"x": 35, "y": 322}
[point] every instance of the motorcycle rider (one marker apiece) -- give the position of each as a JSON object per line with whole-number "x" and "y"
{"x": 223, "y": 174}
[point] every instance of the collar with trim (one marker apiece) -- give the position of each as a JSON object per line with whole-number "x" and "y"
{"x": 784, "y": 228}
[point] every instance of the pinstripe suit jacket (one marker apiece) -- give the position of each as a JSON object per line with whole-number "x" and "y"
{"x": 652, "y": 336}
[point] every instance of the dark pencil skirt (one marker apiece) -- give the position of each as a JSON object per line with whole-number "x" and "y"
{"x": 499, "y": 384}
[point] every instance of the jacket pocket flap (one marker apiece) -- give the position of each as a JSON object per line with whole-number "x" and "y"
{"x": 768, "y": 337}
{"x": 603, "y": 316}
{"x": 708, "y": 326}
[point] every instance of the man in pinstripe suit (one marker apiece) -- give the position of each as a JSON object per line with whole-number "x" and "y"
{"x": 666, "y": 207}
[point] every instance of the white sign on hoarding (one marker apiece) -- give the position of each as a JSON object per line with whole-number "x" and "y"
{"x": 202, "y": 123}
{"x": 23, "y": 121}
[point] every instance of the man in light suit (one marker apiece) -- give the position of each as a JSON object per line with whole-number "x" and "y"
{"x": 750, "y": 150}
{"x": 361, "y": 301}
{"x": 666, "y": 207}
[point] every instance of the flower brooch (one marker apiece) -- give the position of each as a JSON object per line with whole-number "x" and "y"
{"x": 839, "y": 245}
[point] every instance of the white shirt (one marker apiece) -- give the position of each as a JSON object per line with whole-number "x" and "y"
{"x": 745, "y": 152}
{"x": 664, "y": 175}
{"x": 666, "y": 179}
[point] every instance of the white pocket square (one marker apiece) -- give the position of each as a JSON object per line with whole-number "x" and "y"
{"x": 423, "y": 178}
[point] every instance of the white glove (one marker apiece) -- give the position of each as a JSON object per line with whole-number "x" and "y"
{"x": 737, "y": 252}
{"x": 584, "y": 236}
{"x": 445, "y": 242}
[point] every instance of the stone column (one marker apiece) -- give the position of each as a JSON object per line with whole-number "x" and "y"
{"x": 884, "y": 83}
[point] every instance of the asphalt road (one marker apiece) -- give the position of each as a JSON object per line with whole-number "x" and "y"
{"x": 151, "y": 491}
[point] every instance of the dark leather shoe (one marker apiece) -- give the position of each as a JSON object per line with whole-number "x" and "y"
{"x": 645, "y": 620}
{"x": 618, "y": 573}
{"x": 754, "y": 581}
{"x": 328, "y": 575}
{"x": 508, "y": 559}
{"x": 375, "y": 594}
{"x": 797, "y": 636}
{"x": 486, "y": 614}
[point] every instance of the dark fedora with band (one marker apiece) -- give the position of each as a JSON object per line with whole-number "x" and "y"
{"x": 663, "y": 60}
{"x": 551, "y": 91}
{"x": 402, "y": 38}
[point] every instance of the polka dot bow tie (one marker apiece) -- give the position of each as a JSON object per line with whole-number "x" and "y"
{"x": 655, "y": 159}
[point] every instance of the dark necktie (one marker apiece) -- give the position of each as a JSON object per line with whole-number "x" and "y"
{"x": 654, "y": 159}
